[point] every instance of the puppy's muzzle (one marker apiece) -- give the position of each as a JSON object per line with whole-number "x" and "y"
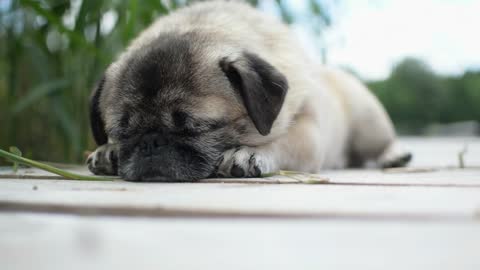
{"x": 151, "y": 145}
{"x": 156, "y": 157}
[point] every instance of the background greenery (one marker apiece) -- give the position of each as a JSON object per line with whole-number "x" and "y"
{"x": 416, "y": 97}
{"x": 53, "y": 51}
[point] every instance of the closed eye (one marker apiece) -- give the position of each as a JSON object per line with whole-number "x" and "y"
{"x": 216, "y": 124}
{"x": 201, "y": 126}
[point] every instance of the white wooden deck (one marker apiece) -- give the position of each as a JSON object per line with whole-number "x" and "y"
{"x": 424, "y": 217}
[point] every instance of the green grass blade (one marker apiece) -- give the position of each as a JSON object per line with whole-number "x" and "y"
{"x": 159, "y": 6}
{"x": 48, "y": 168}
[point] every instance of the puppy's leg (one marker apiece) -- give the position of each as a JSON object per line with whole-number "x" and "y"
{"x": 373, "y": 136}
{"x": 300, "y": 149}
{"x": 394, "y": 156}
{"x": 104, "y": 160}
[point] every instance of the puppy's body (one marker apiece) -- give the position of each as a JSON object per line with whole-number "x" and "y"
{"x": 228, "y": 63}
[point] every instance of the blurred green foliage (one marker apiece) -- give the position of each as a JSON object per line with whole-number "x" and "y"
{"x": 51, "y": 54}
{"x": 415, "y": 96}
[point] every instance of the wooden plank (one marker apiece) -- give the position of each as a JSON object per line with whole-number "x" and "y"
{"x": 320, "y": 200}
{"x": 469, "y": 177}
{"x": 440, "y": 193}
{"x": 439, "y": 177}
{"x": 66, "y": 242}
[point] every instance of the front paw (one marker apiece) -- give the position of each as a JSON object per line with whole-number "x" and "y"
{"x": 242, "y": 161}
{"x": 104, "y": 161}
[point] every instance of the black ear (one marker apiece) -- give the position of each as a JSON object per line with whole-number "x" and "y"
{"x": 96, "y": 122}
{"x": 261, "y": 86}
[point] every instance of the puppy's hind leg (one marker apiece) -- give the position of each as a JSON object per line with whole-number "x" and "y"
{"x": 373, "y": 139}
{"x": 373, "y": 136}
{"x": 393, "y": 156}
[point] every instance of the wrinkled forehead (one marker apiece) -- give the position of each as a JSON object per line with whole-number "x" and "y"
{"x": 172, "y": 75}
{"x": 159, "y": 74}
{"x": 166, "y": 69}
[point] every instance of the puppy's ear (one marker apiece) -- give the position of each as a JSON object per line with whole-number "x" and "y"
{"x": 261, "y": 86}
{"x": 96, "y": 122}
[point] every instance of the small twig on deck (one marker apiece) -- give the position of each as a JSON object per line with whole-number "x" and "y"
{"x": 14, "y": 150}
{"x": 301, "y": 177}
{"x": 461, "y": 155}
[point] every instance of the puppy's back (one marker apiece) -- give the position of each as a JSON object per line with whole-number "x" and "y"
{"x": 231, "y": 25}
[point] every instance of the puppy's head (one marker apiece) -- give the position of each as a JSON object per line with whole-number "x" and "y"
{"x": 174, "y": 108}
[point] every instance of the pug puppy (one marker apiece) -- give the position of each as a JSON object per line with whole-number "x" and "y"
{"x": 220, "y": 89}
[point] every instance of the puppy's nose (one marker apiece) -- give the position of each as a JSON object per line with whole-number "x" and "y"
{"x": 151, "y": 143}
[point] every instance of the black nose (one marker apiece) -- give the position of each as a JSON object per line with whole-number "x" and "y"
{"x": 151, "y": 144}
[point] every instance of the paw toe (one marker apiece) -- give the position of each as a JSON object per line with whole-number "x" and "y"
{"x": 256, "y": 171}
{"x": 103, "y": 161}
{"x": 239, "y": 162}
{"x": 237, "y": 171}
{"x": 399, "y": 161}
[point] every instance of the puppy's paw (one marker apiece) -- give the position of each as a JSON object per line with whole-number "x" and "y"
{"x": 104, "y": 161}
{"x": 243, "y": 161}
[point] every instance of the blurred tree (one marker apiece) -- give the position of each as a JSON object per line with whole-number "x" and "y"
{"x": 463, "y": 97}
{"x": 415, "y": 96}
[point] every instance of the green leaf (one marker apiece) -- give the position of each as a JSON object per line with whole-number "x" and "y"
{"x": 67, "y": 124}
{"x": 14, "y": 150}
{"x": 159, "y": 6}
{"x": 89, "y": 12}
{"x": 56, "y": 21}
{"x": 39, "y": 92}
{"x": 286, "y": 15}
{"x": 320, "y": 11}
{"x": 132, "y": 15}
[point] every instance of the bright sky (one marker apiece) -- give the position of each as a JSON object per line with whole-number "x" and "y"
{"x": 370, "y": 36}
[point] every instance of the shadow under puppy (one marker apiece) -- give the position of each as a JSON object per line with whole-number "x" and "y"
{"x": 220, "y": 89}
